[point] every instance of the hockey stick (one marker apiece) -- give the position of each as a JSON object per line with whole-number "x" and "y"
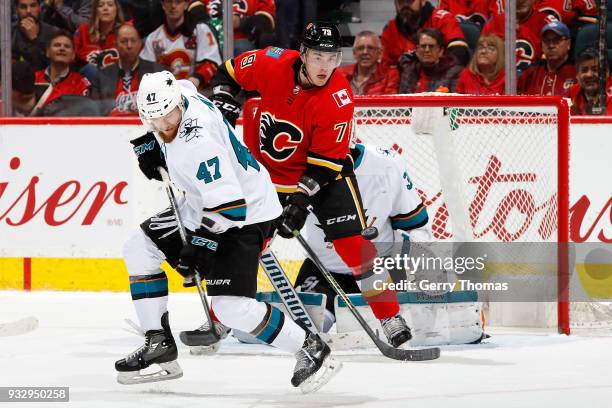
{"x": 274, "y": 271}
{"x": 385, "y": 349}
{"x": 21, "y": 326}
{"x": 210, "y": 334}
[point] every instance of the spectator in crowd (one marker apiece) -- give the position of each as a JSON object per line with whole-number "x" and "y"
{"x": 585, "y": 95}
{"x": 24, "y": 95}
{"x": 369, "y": 76}
{"x": 147, "y": 15}
{"x": 96, "y": 42}
{"x": 471, "y": 11}
{"x": 530, "y": 23}
{"x": 485, "y": 74}
{"x": 432, "y": 70}
{"x": 414, "y": 15}
{"x": 67, "y": 14}
{"x": 253, "y": 22}
{"x": 117, "y": 84}
{"x": 58, "y": 76}
{"x": 570, "y": 12}
{"x": 30, "y": 35}
{"x": 187, "y": 50}
{"x": 555, "y": 73}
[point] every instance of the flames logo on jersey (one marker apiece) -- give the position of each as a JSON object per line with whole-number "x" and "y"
{"x": 103, "y": 58}
{"x": 178, "y": 62}
{"x": 241, "y": 7}
{"x": 278, "y": 139}
{"x": 525, "y": 54}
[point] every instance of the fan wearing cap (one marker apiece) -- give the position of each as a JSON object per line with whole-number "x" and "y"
{"x": 555, "y": 73}
{"x": 303, "y": 137}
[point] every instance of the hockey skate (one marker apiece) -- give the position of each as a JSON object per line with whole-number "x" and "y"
{"x": 159, "y": 348}
{"x": 201, "y": 343}
{"x": 315, "y": 366}
{"x": 396, "y": 330}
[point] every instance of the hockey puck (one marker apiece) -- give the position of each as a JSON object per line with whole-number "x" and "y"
{"x": 369, "y": 233}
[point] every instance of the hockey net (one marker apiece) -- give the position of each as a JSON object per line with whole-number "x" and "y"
{"x": 489, "y": 169}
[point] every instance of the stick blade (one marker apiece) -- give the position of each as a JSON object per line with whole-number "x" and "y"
{"x": 424, "y": 354}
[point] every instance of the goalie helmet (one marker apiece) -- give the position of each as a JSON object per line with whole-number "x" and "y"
{"x": 158, "y": 94}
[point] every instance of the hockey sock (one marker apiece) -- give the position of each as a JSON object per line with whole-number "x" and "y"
{"x": 266, "y": 322}
{"x": 359, "y": 255}
{"x": 150, "y": 296}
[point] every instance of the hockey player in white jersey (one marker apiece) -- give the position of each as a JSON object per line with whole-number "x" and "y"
{"x": 392, "y": 206}
{"x": 228, "y": 207}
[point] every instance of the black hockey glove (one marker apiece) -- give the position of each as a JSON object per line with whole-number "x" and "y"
{"x": 198, "y": 255}
{"x": 149, "y": 155}
{"x": 229, "y": 107}
{"x": 294, "y": 215}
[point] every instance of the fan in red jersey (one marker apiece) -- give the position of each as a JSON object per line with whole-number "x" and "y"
{"x": 58, "y": 75}
{"x": 555, "y": 73}
{"x": 585, "y": 95}
{"x": 414, "y": 15}
{"x": 473, "y": 11}
{"x": 305, "y": 129}
{"x": 568, "y": 11}
{"x": 530, "y": 22}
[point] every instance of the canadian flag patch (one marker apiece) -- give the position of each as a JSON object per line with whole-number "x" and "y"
{"x": 342, "y": 98}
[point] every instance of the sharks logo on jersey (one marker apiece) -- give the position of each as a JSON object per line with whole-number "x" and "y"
{"x": 190, "y": 129}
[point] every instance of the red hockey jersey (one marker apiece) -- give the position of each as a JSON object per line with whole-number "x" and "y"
{"x": 103, "y": 52}
{"x": 395, "y": 43}
{"x": 528, "y": 38}
{"x": 568, "y": 11}
{"x": 71, "y": 84}
{"x": 476, "y": 11}
{"x": 296, "y": 126}
{"x": 537, "y": 80}
{"x": 474, "y": 84}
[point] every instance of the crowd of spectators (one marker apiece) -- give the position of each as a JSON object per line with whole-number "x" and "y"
{"x": 91, "y": 54}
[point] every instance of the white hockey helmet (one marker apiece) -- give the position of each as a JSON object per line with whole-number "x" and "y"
{"x": 158, "y": 94}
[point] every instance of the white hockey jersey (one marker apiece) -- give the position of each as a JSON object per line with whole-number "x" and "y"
{"x": 181, "y": 54}
{"x": 209, "y": 162}
{"x": 389, "y": 200}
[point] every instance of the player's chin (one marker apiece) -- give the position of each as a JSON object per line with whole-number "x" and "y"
{"x": 321, "y": 79}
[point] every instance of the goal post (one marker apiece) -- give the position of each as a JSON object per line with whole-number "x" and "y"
{"x": 488, "y": 168}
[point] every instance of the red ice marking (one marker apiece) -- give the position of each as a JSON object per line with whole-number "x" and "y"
{"x": 27, "y": 274}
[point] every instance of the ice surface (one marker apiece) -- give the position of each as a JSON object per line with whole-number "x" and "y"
{"x": 82, "y": 334}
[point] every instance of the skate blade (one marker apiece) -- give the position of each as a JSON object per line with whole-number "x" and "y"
{"x": 204, "y": 350}
{"x": 169, "y": 371}
{"x": 328, "y": 370}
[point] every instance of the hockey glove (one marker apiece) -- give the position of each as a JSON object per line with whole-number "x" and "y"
{"x": 294, "y": 215}
{"x": 197, "y": 256}
{"x": 229, "y": 107}
{"x": 149, "y": 155}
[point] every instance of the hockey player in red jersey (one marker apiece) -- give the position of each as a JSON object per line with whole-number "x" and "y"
{"x": 306, "y": 114}
{"x": 414, "y": 15}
